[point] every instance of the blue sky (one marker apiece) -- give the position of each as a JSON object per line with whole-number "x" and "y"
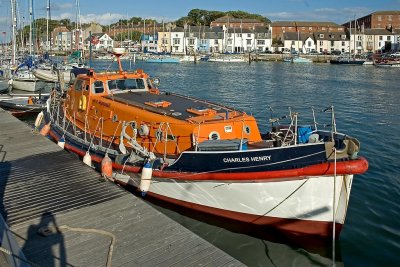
{"x": 107, "y": 11}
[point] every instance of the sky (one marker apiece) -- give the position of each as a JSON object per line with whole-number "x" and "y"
{"x": 108, "y": 11}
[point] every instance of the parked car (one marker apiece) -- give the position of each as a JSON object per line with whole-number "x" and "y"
{"x": 336, "y": 52}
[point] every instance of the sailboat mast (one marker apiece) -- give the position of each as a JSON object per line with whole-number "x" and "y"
{"x": 350, "y": 41}
{"x": 77, "y": 25}
{"x": 13, "y": 31}
{"x": 47, "y": 25}
{"x": 30, "y": 25}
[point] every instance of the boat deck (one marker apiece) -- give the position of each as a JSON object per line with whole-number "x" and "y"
{"x": 178, "y": 108}
{"x": 43, "y": 187}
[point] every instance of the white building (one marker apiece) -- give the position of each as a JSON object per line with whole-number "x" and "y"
{"x": 100, "y": 42}
{"x": 327, "y": 42}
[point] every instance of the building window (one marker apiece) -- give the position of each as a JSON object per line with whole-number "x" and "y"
{"x": 309, "y": 44}
{"x": 388, "y": 38}
{"x": 191, "y": 41}
{"x": 332, "y": 43}
{"x": 216, "y": 41}
{"x": 239, "y": 35}
{"x": 389, "y": 17}
{"x": 293, "y": 43}
{"x": 176, "y": 41}
{"x": 321, "y": 42}
{"x": 343, "y": 37}
{"x": 249, "y": 35}
{"x": 379, "y": 18}
{"x": 380, "y": 38}
{"x": 260, "y": 42}
{"x": 343, "y": 43}
{"x": 321, "y": 35}
{"x": 248, "y": 41}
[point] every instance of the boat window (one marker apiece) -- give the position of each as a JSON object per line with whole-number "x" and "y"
{"x": 78, "y": 85}
{"x": 126, "y": 84}
{"x": 98, "y": 87}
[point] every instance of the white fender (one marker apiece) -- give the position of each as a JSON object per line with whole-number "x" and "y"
{"x": 87, "y": 159}
{"x": 39, "y": 119}
{"x": 145, "y": 179}
{"x": 61, "y": 142}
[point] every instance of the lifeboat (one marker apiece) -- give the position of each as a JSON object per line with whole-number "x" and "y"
{"x": 207, "y": 156}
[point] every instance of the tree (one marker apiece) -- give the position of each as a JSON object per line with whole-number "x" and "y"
{"x": 205, "y": 17}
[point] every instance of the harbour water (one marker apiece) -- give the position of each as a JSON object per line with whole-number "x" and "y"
{"x": 366, "y": 104}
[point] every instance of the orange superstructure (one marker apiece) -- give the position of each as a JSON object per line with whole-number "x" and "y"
{"x": 161, "y": 122}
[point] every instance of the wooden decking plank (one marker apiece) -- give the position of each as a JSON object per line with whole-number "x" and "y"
{"x": 42, "y": 185}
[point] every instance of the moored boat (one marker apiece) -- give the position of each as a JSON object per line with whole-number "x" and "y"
{"x": 209, "y": 157}
{"x": 347, "y": 61}
{"x": 23, "y": 105}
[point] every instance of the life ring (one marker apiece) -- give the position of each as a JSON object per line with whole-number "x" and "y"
{"x": 82, "y": 102}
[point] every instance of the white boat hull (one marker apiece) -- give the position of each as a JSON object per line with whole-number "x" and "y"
{"x": 305, "y": 204}
{"x": 28, "y": 85}
{"x": 50, "y": 76}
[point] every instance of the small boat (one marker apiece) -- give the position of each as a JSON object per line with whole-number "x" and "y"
{"x": 387, "y": 61}
{"x": 23, "y": 105}
{"x": 297, "y": 60}
{"x": 162, "y": 59}
{"x": 348, "y": 61}
{"x": 208, "y": 157}
{"x": 24, "y": 80}
{"x": 226, "y": 58}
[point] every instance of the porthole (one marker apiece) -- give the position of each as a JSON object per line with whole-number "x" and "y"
{"x": 115, "y": 118}
{"x": 214, "y": 136}
{"x": 246, "y": 129}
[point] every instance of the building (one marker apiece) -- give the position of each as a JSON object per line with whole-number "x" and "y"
{"x": 231, "y": 22}
{"x": 300, "y": 42}
{"x": 379, "y": 40}
{"x": 375, "y": 32}
{"x": 280, "y": 27}
{"x": 99, "y": 42}
{"x": 327, "y": 42}
{"x": 61, "y": 38}
{"x": 377, "y": 20}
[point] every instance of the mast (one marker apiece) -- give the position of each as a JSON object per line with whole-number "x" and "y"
{"x": 14, "y": 26}
{"x": 77, "y": 25}
{"x": 47, "y": 25}
{"x": 144, "y": 32}
{"x": 350, "y": 41}
{"x": 30, "y": 25}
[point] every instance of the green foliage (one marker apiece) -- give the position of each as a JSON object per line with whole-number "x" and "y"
{"x": 134, "y": 36}
{"x": 205, "y": 17}
{"x": 277, "y": 41}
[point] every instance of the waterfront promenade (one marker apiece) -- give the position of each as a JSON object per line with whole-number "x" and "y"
{"x": 61, "y": 213}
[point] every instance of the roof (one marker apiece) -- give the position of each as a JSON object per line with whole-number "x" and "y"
{"x": 378, "y": 32}
{"x": 235, "y": 20}
{"x": 303, "y": 24}
{"x": 386, "y": 12}
{"x": 330, "y": 36}
{"x": 95, "y": 35}
{"x": 296, "y": 36}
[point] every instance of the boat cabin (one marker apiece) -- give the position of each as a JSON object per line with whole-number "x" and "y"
{"x": 122, "y": 106}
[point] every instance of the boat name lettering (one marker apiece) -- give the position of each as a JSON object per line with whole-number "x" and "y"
{"x": 102, "y": 103}
{"x": 246, "y": 159}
